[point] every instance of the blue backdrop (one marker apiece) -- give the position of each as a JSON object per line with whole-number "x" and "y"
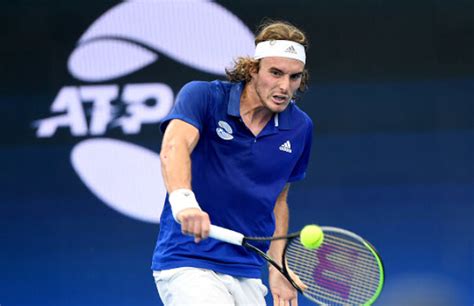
{"x": 393, "y": 154}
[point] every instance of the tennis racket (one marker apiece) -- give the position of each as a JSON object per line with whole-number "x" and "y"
{"x": 344, "y": 270}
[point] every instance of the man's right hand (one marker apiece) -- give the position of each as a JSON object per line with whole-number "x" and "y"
{"x": 194, "y": 222}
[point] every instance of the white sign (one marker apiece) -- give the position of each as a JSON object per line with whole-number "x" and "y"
{"x": 130, "y": 36}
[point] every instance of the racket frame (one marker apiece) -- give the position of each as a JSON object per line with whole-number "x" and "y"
{"x": 283, "y": 269}
{"x": 237, "y": 238}
{"x": 233, "y": 237}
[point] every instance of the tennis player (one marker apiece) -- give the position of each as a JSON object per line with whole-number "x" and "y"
{"x": 230, "y": 151}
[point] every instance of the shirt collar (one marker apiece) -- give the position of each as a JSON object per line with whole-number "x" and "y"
{"x": 233, "y": 108}
{"x": 281, "y": 120}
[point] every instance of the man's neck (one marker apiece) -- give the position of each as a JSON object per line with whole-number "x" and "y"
{"x": 253, "y": 113}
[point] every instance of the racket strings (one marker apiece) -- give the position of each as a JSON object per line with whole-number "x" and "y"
{"x": 314, "y": 291}
{"x": 330, "y": 280}
{"x": 307, "y": 262}
{"x": 366, "y": 257}
{"x": 329, "y": 297}
{"x": 373, "y": 278}
{"x": 363, "y": 254}
{"x": 341, "y": 271}
{"x": 343, "y": 261}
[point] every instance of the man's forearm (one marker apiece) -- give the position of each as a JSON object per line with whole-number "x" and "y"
{"x": 281, "y": 212}
{"x": 175, "y": 167}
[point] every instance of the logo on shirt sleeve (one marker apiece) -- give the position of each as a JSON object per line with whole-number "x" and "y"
{"x": 224, "y": 131}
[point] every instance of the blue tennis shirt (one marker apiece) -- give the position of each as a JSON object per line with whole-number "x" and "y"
{"x": 236, "y": 176}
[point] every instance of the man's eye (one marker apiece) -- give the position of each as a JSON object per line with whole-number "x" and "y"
{"x": 296, "y": 76}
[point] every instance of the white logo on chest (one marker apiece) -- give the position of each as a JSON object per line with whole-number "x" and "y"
{"x": 224, "y": 131}
{"x": 286, "y": 147}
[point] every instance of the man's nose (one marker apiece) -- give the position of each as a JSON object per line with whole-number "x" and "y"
{"x": 285, "y": 84}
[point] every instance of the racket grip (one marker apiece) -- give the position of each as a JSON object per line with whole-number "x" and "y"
{"x": 226, "y": 235}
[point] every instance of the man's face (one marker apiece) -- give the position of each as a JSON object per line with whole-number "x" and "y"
{"x": 277, "y": 81}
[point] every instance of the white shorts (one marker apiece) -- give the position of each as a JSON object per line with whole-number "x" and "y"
{"x": 194, "y": 286}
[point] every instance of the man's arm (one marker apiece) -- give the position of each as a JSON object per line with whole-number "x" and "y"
{"x": 282, "y": 291}
{"x": 179, "y": 141}
{"x": 281, "y": 224}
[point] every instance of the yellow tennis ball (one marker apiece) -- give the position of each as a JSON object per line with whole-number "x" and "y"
{"x": 311, "y": 236}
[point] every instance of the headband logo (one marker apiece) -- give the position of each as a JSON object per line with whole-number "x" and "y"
{"x": 291, "y": 49}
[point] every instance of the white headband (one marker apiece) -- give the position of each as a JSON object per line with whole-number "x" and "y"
{"x": 280, "y": 48}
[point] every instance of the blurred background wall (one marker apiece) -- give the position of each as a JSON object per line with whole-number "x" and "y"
{"x": 84, "y": 85}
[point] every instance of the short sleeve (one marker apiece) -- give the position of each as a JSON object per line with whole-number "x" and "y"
{"x": 190, "y": 106}
{"x": 299, "y": 171}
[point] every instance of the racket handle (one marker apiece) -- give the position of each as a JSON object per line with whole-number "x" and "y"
{"x": 226, "y": 235}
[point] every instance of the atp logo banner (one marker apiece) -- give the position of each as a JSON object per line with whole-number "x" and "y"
{"x": 128, "y": 38}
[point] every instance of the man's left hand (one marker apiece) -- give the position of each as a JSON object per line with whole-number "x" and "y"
{"x": 284, "y": 294}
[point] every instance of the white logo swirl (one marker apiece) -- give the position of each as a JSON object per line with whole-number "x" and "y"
{"x": 224, "y": 131}
{"x": 128, "y": 37}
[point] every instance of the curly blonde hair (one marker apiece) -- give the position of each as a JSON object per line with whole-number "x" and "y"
{"x": 268, "y": 30}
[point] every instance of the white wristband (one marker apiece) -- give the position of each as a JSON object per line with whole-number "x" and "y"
{"x": 181, "y": 199}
